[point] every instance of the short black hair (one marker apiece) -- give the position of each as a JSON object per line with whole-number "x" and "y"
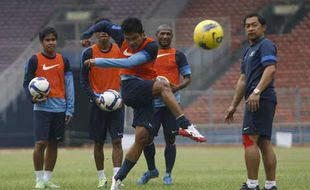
{"x": 132, "y": 25}
{"x": 46, "y": 31}
{"x": 102, "y": 19}
{"x": 164, "y": 26}
{"x": 260, "y": 18}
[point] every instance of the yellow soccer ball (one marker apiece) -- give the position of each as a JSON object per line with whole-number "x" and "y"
{"x": 208, "y": 34}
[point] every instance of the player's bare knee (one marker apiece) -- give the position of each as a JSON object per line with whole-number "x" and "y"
{"x": 165, "y": 86}
{"x": 117, "y": 143}
{"x": 160, "y": 87}
{"x": 141, "y": 139}
{"x": 264, "y": 144}
{"x": 98, "y": 144}
{"x": 41, "y": 144}
{"x": 247, "y": 141}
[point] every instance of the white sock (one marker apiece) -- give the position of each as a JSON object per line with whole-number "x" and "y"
{"x": 252, "y": 183}
{"x": 115, "y": 170}
{"x": 101, "y": 175}
{"x": 269, "y": 184}
{"x": 47, "y": 175}
{"x": 39, "y": 175}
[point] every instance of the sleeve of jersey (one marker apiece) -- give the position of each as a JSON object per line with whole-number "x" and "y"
{"x": 69, "y": 89}
{"x": 84, "y": 74}
{"x": 134, "y": 60}
{"x": 242, "y": 66}
{"x": 151, "y": 49}
{"x": 111, "y": 29}
{"x": 30, "y": 69}
{"x": 242, "y": 69}
{"x": 182, "y": 63}
{"x": 268, "y": 54}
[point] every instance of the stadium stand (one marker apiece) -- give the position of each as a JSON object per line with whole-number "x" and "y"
{"x": 21, "y": 20}
{"x": 121, "y": 9}
{"x": 214, "y": 9}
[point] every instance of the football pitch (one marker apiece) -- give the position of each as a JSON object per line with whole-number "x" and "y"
{"x": 196, "y": 168}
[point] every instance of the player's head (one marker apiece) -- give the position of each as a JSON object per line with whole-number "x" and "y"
{"x": 255, "y": 26}
{"x": 48, "y": 38}
{"x": 133, "y": 32}
{"x": 102, "y": 37}
{"x": 164, "y": 35}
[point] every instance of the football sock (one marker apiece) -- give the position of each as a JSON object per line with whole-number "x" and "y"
{"x": 149, "y": 153}
{"x": 47, "y": 175}
{"x": 269, "y": 184}
{"x": 115, "y": 170}
{"x": 252, "y": 183}
{"x": 39, "y": 175}
{"x": 101, "y": 175}
{"x": 124, "y": 170}
{"x": 170, "y": 154}
{"x": 183, "y": 122}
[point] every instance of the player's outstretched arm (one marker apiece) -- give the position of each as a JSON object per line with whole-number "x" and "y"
{"x": 111, "y": 29}
{"x": 134, "y": 60}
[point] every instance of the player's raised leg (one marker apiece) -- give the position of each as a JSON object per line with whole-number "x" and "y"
{"x": 162, "y": 89}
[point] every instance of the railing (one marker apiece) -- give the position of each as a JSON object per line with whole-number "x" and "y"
{"x": 209, "y": 107}
{"x": 11, "y": 79}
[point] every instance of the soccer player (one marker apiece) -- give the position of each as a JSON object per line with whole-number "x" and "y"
{"x": 138, "y": 86}
{"x": 256, "y": 84}
{"x": 96, "y": 80}
{"x": 53, "y": 112}
{"x": 170, "y": 63}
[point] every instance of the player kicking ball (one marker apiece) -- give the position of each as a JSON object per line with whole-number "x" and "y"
{"x": 138, "y": 85}
{"x": 169, "y": 65}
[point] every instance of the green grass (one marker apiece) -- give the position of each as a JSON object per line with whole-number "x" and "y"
{"x": 197, "y": 168}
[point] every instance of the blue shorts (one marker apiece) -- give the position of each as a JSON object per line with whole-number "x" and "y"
{"x": 102, "y": 121}
{"x": 259, "y": 122}
{"x": 49, "y": 126}
{"x": 138, "y": 95}
{"x": 163, "y": 116}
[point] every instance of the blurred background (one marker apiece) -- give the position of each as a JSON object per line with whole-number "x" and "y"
{"x": 214, "y": 73}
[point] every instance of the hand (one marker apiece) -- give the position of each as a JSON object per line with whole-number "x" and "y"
{"x": 89, "y": 62}
{"x": 67, "y": 119}
{"x": 39, "y": 98}
{"x": 253, "y": 102}
{"x": 85, "y": 42}
{"x": 173, "y": 87}
{"x": 229, "y": 118}
{"x": 97, "y": 101}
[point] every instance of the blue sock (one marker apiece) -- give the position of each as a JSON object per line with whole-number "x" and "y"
{"x": 149, "y": 153}
{"x": 170, "y": 155}
{"x": 183, "y": 122}
{"x": 124, "y": 170}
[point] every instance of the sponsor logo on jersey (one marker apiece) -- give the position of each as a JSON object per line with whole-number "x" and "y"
{"x": 162, "y": 55}
{"x": 45, "y": 68}
{"x": 126, "y": 53}
{"x": 252, "y": 53}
